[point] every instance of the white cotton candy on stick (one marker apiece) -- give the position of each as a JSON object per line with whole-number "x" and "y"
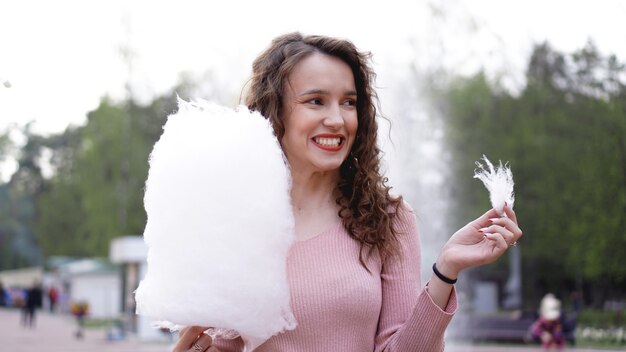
{"x": 499, "y": 182}
{"x": 220, "y": 224}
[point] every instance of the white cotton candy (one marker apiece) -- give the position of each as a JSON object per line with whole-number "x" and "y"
{"x": 498, "y": 181}
{"x": 219, "y": 225}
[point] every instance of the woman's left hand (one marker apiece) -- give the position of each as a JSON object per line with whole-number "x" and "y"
{"x": 482, "y": 241}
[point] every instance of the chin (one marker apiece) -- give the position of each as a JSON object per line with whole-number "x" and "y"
{"x": 329, "y": 167}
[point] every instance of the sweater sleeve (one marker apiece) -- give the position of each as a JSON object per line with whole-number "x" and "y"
{"x": 409, "y": 318}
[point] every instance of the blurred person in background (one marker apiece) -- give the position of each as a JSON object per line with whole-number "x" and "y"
{"x": 33, "y": 301}
{"x": 3, "y": 296}
{"x": 548, "y": 329}
{"x": 53, "y": 297}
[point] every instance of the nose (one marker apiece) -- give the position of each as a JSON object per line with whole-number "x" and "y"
{"x": 334, "y": 117}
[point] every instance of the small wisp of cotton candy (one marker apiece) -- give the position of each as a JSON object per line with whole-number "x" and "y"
{"x": 499, "y": 182}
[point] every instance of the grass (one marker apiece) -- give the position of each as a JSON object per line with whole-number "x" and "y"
{"x": 100, "y": 323}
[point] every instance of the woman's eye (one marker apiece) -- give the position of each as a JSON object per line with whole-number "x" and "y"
{"x": 350, "y": 102}
{"x": 315, "y": 101}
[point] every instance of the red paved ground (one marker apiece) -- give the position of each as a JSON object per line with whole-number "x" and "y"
{"x": 55, "y": 333}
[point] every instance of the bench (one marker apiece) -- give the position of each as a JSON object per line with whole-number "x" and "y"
{"x": 500, "y": 329}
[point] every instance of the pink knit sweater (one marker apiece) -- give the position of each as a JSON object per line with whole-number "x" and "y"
{"x": 339, "y": 306}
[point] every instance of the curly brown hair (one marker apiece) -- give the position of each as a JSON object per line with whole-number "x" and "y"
{"x": 367, "y": 209}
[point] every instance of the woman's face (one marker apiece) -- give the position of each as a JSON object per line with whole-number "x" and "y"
{"x": 319, "y": 114}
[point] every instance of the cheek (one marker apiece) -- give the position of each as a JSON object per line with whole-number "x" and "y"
{"x": 292, "y": 139}
{"x": 352, "y": 124}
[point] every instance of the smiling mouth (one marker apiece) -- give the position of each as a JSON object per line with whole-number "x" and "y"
{"x": 329, "y": 143}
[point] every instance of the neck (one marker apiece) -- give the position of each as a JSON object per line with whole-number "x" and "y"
{"x": 313, "y": 191}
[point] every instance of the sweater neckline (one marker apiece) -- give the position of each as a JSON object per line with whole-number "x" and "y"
{"x": 330, "y": 229}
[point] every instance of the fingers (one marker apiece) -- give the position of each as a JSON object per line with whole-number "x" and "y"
{"x": 501, "y": 244}
{"x": 183, "y": 330}
{"x": 189, "y": 335}
{"x": 483, "y": 220}
{"x": 202, "y": 343}
{"x": 506, "y": 227}
{"x": 510, "y": 213}
{"x": 508, "y": 236}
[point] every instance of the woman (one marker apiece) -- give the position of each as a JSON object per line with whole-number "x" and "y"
{"x": 354, "y": 270}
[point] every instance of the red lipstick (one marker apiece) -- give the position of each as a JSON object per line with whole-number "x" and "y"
{"x": 330, "y": 148}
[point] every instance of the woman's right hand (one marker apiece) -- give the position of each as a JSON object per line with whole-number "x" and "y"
{"x": 193, "y": 339}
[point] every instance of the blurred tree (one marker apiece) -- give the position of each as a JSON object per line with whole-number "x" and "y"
{"x": 17, "y": 205}
{"x": 100, "y": 170}
{"x": 5, "y": 148}
{"x": 564, "y": 137}
{"x": 61, "y": 226}
{"x": 92, "y": 190}
{"x": 5, "y": 219}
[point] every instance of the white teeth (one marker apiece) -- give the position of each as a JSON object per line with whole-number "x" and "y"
{"x": 328, "y": 142}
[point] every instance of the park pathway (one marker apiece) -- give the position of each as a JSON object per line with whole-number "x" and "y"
{"x": 55, "y": 333}
{"x": 465, "y": 348}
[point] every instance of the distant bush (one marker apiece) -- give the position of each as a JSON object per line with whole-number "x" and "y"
{"x": 602, "y": 337}
{"x": 603, "y": 319}
{"x": 601, "y": 328}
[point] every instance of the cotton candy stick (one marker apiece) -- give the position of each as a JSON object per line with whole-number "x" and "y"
{"x": 499, "y": 182}
{"x": 219, "y": 224}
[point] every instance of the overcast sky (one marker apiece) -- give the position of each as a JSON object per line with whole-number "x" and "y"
{"x": 60, "y": 57}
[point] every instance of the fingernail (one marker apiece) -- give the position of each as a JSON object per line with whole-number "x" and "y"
{"x": 484, "y": 230}
{"x": 492, "y": 220}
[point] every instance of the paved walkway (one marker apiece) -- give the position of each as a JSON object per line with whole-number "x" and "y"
{"x": 465, "y": 348}
{"x": 55, "y": 333}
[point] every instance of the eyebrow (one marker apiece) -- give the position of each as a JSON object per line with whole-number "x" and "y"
{"x": 324, "y": 92}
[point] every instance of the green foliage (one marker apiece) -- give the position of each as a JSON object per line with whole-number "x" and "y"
{"x": 564, "y": 137}
{"x": 95, "y": 192}
{"x": 600, "y": 318}
{"x": 100, "y": 173}
{"x": 601, "y": 328}
{"x": 11, "y": 210}
{"x": 5, "y": 145}
{"x": 18, "y": 245}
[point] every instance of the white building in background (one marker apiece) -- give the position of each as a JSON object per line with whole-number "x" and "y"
{"x": 131, "y": 253}
{"x": 22, "y": 278}
{"x": 108, "y": 286}
{"x": 96, "y": 282}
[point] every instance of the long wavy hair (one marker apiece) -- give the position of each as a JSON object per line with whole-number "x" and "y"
{"x": 366, "y": 207}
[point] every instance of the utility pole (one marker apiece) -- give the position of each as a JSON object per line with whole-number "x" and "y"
{"x": 125, "y": 148}
{"x": 513, "y": 288}
{"x": 129, "y": 274}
